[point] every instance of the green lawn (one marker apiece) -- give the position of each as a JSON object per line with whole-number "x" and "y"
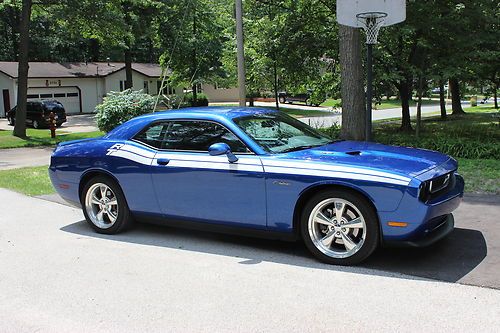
{"x": 396, "y": 103}
{"x": 40, "y": 137}
{"x": 385, "y": 103}
{"x": 481, "y": 175}
{"x": 30, "y": 181}
{"x": 330, "y": 102}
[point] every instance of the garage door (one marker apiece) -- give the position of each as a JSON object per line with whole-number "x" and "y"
{"x": 69, "y": 97}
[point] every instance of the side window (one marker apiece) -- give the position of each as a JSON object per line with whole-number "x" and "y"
{"x": 153, "y": 135}
{"x": 199, "y": 135}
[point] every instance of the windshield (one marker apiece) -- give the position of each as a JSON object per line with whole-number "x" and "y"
{"x": 279, "y": 133}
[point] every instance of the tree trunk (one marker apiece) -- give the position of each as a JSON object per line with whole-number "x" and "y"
{"x": 194, "y": 59}
{"x": 195, "y": 95}
{"x": 22, "y": 77}
{"x": 419, "y": 107}
{"x": 405, "y": 92}
{"x": 495, "y": 95}
{"x": 352, "y": 90}
{"x": 128, "y": 68}
{"x": 456, "y": 103}
{"x": 128, "y": 46}
{"x": 442, "y": 100}
{"x": 275, "y": 73}
{"x": 95, "y": 50}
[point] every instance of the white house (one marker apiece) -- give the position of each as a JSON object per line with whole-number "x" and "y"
{"x": 82, "y": 86}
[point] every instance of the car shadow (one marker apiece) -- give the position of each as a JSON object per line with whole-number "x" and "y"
{"x": 449, "y": 260}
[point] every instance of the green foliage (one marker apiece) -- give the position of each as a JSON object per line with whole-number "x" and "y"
{"x": 119, "y": 107}
{"x": 333, "y": 131}
{"x": 201, "y": 100}
{"x": 473, "y": 136}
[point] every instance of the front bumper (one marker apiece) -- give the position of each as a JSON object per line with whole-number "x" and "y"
{"x": 430, "y": 236}
{"x": 427, "y": 222}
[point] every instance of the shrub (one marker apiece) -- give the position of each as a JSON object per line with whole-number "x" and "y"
{"x": 201, "y": 99}
{"x": 119, "y": 107}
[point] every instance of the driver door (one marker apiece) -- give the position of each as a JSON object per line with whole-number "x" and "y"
{"x": 192, "y": 185}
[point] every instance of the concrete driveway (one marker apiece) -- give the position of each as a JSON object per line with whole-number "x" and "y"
{"x": 57, "y": 275}
{"x": 74, "y": 124}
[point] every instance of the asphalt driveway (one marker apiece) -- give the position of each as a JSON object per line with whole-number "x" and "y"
{"x": 57, "y": 275}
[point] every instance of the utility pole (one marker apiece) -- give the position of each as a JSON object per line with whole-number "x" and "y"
{"x": 240, "y": 54}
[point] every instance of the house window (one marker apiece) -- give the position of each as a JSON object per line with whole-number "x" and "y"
{"x": 167, "y": 89}
{"x": 199, "y": 89}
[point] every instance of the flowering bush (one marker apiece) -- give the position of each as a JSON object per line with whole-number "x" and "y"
{"x": 118, "y": 107}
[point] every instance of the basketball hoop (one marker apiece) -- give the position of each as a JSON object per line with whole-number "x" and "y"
{"x": 371, "y": 22}
{"x": 371, "y": 15}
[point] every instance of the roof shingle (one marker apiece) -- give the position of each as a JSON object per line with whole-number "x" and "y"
{"x": 77, "y": 69}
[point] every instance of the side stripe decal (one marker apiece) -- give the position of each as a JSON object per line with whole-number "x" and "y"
{"x": 254, "y": 164}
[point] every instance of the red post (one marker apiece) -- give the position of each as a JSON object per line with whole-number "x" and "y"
{"x": 52, "y": 123}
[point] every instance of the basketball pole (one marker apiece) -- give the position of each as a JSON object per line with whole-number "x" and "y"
{"x": 240, "y": 54}
{"x": 369, "y": 91}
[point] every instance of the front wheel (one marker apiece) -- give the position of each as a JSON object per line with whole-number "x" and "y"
{"x": 105, "y": 207}
{"x": 340, "y": 227}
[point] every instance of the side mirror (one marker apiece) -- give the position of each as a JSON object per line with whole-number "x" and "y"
{"x": 218, "y": 149}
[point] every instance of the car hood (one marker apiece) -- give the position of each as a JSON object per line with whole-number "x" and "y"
{"x": 398, "y": 160}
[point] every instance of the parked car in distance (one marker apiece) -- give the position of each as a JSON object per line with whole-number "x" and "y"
{"x": 259, "y": 172}
{"x": 305, "y": 98}
{"x": 38, "y": 113}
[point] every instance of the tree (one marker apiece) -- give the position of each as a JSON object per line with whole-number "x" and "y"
{"x": 353, "y": 101}
{"x": 23, "y": 67}
{"x": 192, "y": 37}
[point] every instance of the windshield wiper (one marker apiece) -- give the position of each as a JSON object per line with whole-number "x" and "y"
{"x": 288, "y": 150}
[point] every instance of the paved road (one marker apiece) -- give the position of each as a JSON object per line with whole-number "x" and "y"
{"x": 57, "y": 276}
{"x": 328, "y": 121}
{"x": 24, "y": 157}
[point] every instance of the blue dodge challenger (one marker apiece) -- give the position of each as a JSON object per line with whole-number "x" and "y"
{"x": 259, "y": 172}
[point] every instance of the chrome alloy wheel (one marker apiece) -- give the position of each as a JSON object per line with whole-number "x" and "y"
{"x": 337, "y": 228}
{"x": 101, "y": 205}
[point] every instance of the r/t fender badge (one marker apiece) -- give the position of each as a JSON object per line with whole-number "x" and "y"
{"x": 281, "y": 183}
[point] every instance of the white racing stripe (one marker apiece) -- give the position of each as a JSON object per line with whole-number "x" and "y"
{"x": 204, "y": 157}
{"x": 327, "y": 167}
{"x": 130, "y": 156}
{"x": 216, "y": 166}
{"x": 139, "y": 151}
{"x": 334, "y": 174}
{"x": 254, "y": 164}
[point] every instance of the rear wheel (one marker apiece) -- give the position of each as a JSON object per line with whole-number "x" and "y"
{"x": 282, "y": 99}
{"x": 105, "y": 207}
{"x": 339, "y": 227}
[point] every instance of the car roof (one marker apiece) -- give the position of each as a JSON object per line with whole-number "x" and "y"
{"x": 215, "y": 113}
{"x": 208, "y": 112}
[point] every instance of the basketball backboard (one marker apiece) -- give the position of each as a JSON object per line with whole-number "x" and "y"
{"x": 349, "y": 10}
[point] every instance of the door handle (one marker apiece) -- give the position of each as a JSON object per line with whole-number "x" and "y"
{"x": 162, "y": 161}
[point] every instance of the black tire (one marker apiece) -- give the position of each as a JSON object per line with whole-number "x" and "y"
{"x": 124, "y": 218}
{"x": 282, "y": 99}
{"x": 12, "y": 121}
{"x": 371, "y": 239}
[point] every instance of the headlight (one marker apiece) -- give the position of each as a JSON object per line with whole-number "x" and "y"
{"x": 434, "y": 186}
